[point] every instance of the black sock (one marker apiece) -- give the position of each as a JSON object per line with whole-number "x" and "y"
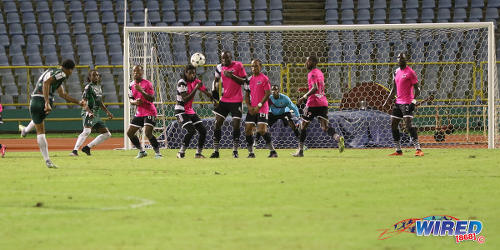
{"x": 135, "y": 141}
{"x": 250, "y": 141}
{"x": 269, "y": 141}
{"x": 303, "y": 134}
{"x": 296, "y": 132}
{"x": 155, "y": 144}
{"x": 236, "y": 139}
{"x": 202, "y": 135}
{"x": 217, "y": 136}
{"x": 395, "y": 134}
{"x": 330, "y": 131}
{"x": 187, "y": 137}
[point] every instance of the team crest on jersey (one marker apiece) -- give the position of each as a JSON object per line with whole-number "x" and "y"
{"x": 259, "y": 82}
{"x": 403, "y": 76}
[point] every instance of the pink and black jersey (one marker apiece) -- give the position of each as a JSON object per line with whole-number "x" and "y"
{"x": 146, "y": 108}
{"x": 317, "y": 99}
{"x": 257, "y": 87}
{"x": 231, "y": 89}
{"x": 186, "y": 87}
{"x": 405, "y": 79}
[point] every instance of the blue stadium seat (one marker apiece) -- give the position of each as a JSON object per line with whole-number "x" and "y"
{"x": 30, "y": 29}
{"x": 32, "y": 49}
{"x": 10, "y": 92}
{"x": 47, "y": 29}
{"x": 112, "y": 28}
{"x": 276, "y": 15}
{"x": 99, "y": 49}
{"x": 3, "y": 29}
{"x": 199, "y": 5}
{"x": 444, "y": 14}
{"x": 347, "y": 5}
{"x": 477, "y": 4}
{"x": 442, "y": 4}
{"x": 136, "y": 5}
{"x": 75, "y": 6}
{"x": 459, "y": 15}
{"x": 168, "y": 5}
{"x": 427, "y": 15}
{"x": 101, "y": 59}
{"x": 153, "y": 5}
{"x": 79, "y": 28}
{"x": 214, "y": 5}
{"x": 396, "y": 4}
{"x": 200, "y": 16}
{"x": 229, "y": 5}
{"x": 461, "y": 4}
{"x": 34, "y": 39}
{"x": 363, "y": 15}
{"x": 77, "y": 17}
{"x": 64, "y": 39}
{"x": 119, "y": 18}
{"x": 379, "y": 4}
{"x": 395, "y": 16}
{"x": 115, "y": 49}
{"x": 9, "y": 7}
{"x": 154, "y": 17}
{"x": 15, "y": 29}
{"x": 58, "y": 5}
{"x": 475, "y": 14}
{"x": 331, "y": 4}
{"x": 61, "y": 29}
{"x": 18, "y": 60}
{"x": 42, "y": 6}
{"x": 161, "y": 24}
{"x": 95, "y": 28}
{"x": 491, "y": 14}
{"x": 13, "y": 17}
{"x": 1, "y": 17}
{"x": 363, "y": 4}
{"x": 28, "y": 17}
{"x": 428, "y": 4}
{"x": 82, "y": 39}
{"x": 379, "y": 15}
{"x": 195, "y": 45}
{"x": 85, "y": 59}
{"x": 106, "y": 5}
{"x": 275, "y": 5}
{"x": 138, "y": 17}
{"x": 93, "y": 17}
{"x": 90, "y": 5}
{"x": 114, "y": 39}
{"x": 35, "y": 60}
{"x": 169, "y": 16}
{"x": 108, "y": 17}
{"x": 245, "y": 16}
{"x": 49, "y": 40}
{"x": 411, "y": 5}
{"x": 493, "y": 4}
{"x": 60, "y": 17}
{"x": 260, "y": 16}
{"x": 260, "y": 5}
{"x": 214, "y": 16}
{"x": 230, "y": 16}
{"x": 183, "y": 5}
{"x": 44, "y": 17}
{"x": 184, "y": 16}
{"x": 244, "y": 5}
{"x": 49, "y": 49}
{"x": 98, "y": 39}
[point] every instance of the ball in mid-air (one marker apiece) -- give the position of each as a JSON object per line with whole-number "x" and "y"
{"x": 197, "y": 59}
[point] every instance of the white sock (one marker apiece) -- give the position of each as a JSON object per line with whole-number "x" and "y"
{"x": 81, "y": 138}
{"x": 29, "y": 127}
{"x": 42, "y": 144}
{"x": 99, "y": 139}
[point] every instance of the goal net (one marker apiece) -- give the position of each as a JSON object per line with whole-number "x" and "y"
{"x": 454, "y": 63}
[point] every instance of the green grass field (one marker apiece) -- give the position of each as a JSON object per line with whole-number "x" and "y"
{"x": 325, "y": 200}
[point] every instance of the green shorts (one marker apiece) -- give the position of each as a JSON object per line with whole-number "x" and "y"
{"x": 94, "y": 122}
{"x": 37, "y": 109}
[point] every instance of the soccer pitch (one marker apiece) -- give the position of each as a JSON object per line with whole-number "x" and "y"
{"x": 325, "y": 200}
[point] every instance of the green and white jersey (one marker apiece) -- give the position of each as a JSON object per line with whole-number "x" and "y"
{"x": 93, "y": 94}
{"x": 59, "y": 77}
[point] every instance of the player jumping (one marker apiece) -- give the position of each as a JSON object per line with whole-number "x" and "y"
{"x": 92, "y": 94}
{"x": 317, "y": 105}
{"x": 187, "y": 87}
{"x": 405, "y": 85}
{"x": 142, "y": 95}
{"x": 233, "y": 75}
{"x": 258, "y": 91}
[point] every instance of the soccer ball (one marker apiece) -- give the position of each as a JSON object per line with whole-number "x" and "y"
{"x": 197, "y": 59}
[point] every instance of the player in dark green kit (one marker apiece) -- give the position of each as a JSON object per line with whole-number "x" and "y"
{"x": 42, "y": 98}
{"x": 90, "y": 114}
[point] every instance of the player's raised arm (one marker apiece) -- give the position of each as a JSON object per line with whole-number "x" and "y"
{"x": 63, "y": 94}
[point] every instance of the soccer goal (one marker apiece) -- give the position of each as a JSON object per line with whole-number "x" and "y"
{"x": 455, "y": 64}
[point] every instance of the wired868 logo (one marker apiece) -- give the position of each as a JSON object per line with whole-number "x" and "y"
{"x": 440, "y": 225}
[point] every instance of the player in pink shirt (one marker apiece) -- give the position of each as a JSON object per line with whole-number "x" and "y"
{"x": 316, "y": 106}
{"x": 142, "y": 95}
{"x": 233, "y": 75}
{"x": 257, "y": 94}
{"x": 187, "y": 87}
{"x": 405, "y": 84}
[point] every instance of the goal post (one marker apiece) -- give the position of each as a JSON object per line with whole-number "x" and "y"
{"x": 455, "y": 63}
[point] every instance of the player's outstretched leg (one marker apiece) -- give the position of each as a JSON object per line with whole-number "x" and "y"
{"x": 81, "y": 139}
{"x": 338, "y": 138}
{"x": 201, "y": 139}
{"x": 2, "y": 150}
{"x": 156, "y": 146}
{"x": 26, "y": 129}
{"x": 105, "y": 134}
{"x": 187, "y": 139}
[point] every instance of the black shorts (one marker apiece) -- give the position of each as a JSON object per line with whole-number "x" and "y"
{"x": 184, "y": 119}
{"x": 403, "y": 110}
{"x": 256, "y": 119}
{"x": 285, "y": 117}
{"x": 142, "y": 121}
{"x": 311, "y": 112}
{"x": 225, "y": 108}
